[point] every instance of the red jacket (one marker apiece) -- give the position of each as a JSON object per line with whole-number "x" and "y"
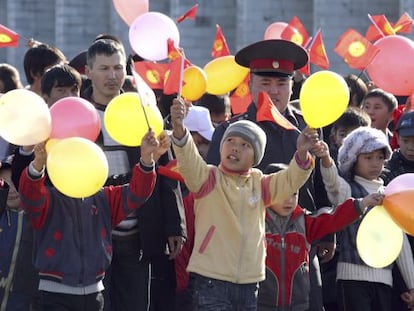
{"x": 287, "y": 259}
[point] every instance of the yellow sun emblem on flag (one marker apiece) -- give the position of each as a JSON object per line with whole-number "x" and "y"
{"x": 5, "y": 38}
{"x": 356, "y": 49}
{"x": 153, "y": 76}
{"x": 320, "y": 50}
{"x": 297, "y": 38}
{"x": 242, "y": 90}
{"x": 218, "y": 45}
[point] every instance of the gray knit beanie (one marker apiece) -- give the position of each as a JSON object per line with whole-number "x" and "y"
{"x": 361, "y": 140}
{"x": 250, "y": 132}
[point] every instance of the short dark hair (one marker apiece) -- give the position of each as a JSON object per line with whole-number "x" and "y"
{"x": 38, "y": 58}
{"x": 10, "y": 77}
{"x": 215, "y": 103}
{"x": 353, "y": 117}
{"x": 389, "y": 99}
{"x": 106, "y": 47}
{"x": 60, "y": 75}
{"x": 357, "y": 88}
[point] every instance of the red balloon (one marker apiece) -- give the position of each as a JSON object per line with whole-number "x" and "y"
{"x": 74, "y": 117}
{"x": 273, "y": 31}
{"x": 400, "y": 206}
{"x": 129, "y": 10}
{"x": 392, "y": 68}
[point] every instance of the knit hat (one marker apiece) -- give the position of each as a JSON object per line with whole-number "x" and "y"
{"x": 361, "y": 140}
{"x": 250, "y": 132}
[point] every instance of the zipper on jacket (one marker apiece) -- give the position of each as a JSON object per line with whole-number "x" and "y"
{"x": 81, "y": 239}
{"x": 282, "y": 268}
{"x": 242, "y": 232}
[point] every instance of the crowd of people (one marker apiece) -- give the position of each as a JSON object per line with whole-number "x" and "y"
{"x": 219, "y": 212}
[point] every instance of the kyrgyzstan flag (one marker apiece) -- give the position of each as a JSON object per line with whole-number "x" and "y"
{"x": 317, "y": 52}
{"x": 191, "y": 14}
{"x": 220, "y": 47}
{"x": 404, "y": 24}
{"x": 174, "y": 76}
{"x": 241, "y": 98}
{"x": 152, "y": 73}
{"x": 8, "y": 38}
{"x": 295, "y": 32}
{"x": 267, "y": 111}
{"x": 355, "y": 49}
{"x": 174, "y": 53}
{"x": 380, "y": 27}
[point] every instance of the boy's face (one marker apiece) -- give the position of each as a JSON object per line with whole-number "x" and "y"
{"x": 59, "y": 92}
{"x": 406, "y": 146}
{"x": 340, "y": 134}
{"x": 369, "y": 165}
{"x": 201, "y": 143}
{"x": 378, "y": 111}
{"x": 286, "y": 207}
{"x": 237, "y": 154}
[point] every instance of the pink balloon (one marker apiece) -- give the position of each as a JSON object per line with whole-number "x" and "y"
{"x": 392, "y": 68}
{"x": 74, "y": 117}
{"x": 129, "y": 10}
{"x": 274, "y": 31}
{"x": 149, "y": 33}
{"x": 400, "y": 183}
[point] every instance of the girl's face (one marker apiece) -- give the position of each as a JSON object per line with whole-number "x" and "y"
{"x": 369, "y": 165}
{"x": 13, "y": 199}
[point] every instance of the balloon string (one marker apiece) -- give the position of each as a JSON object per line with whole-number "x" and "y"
{"x": 136, "y": 78}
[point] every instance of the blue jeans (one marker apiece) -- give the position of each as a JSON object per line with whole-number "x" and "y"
{"x": 216, "y": 295}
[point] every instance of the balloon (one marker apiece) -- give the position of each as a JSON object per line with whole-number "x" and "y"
{"x": 74, "y": 116}
{"x": 195, "y": 83}
{"x": 274, "y": 31}
{"x": 379, "y": 240}
{"x": 400, "y": 183}
{"x": 125, "y": 121}
{"x": 224, "y": 75}
{"x": 130, "y": 10}
{"x": 323, "y": 98}
{"x": 400, "y": 206}
{"x": 394, "y": 59}
{"x": 24, "y": 118}
{"x": 149, "y": 33}
{"x": 77, "y": 167}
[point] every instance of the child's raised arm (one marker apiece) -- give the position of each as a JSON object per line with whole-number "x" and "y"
{"x": 305, "y": 142}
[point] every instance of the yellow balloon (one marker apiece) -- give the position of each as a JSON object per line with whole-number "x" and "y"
{"x": 195, "y": 83}
{"x": 24, "y": 118}
{"x": 323, "y": 98}
{"x": 379, "y": 239}
{"x": 77, "y": 167}
{"x": 224, "y": 75}
{"x": 126, "y": 122}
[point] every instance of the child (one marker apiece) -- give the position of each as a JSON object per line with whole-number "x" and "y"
{"x": 228, "y": 259}
{"x": 380, "y": 106}
{"x": 290, "y": 231}
{"x": 73, "y": 244}
{"x": 351, "y": 119}
{"x": 361, "y": 160}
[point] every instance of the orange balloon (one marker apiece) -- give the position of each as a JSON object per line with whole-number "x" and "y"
{"x": 400, "y": 206}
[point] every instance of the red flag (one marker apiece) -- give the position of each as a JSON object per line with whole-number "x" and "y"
{"x": 355, "y": 49}
{"x": 170, "y": 170}
{"x": 174, "y": 53}
{"x": 174, "y": 77}
{"x": 305, "y": 69}
{"x": 295, "y": 32}
{"x": 152, "y": 73}
{"x": 404, "y": 24}
{"x": 241, "y": 97}
{"x": 317, "y": 52}
{"x": 8, "y": 38}
{"x": 266, "y": 111}
{"x": 380, "y": 27}
{"x": 191, "y": 13}
{"x": 220, "y": 47}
